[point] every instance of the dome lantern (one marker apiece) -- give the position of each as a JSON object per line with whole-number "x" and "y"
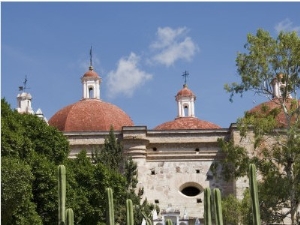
{"x": 91, "y": 82}
{"x": 186, "y": 118}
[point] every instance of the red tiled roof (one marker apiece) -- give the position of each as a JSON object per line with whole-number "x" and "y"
{"x": 91, "y": 73}
{"x": 185, "y": 92}
{"x": 90, "y": 115}
{"x": 182, "y": 123}
{"x": 266, "y": 107}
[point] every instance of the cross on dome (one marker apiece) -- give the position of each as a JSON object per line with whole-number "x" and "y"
{"x": 185, "y": 74}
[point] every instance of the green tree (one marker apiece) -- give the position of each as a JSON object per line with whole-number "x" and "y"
{"x": 39, "y": 148}
{"x": 276, "y": 152}
{"x": 17, "y": 206}
{"x": 112, "y": 156}
{"x": 231, "y": 209}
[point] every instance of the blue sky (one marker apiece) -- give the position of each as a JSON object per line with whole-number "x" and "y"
{"x": 139, "y": 49}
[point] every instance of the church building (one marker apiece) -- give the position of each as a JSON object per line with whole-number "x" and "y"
{"x": 174, "y": 159}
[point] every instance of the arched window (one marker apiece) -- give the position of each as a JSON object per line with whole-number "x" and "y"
{"x": 186, "y": 110}
{"x": 91, "y": 92}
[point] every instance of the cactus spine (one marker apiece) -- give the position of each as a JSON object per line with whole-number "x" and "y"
{"x": 207, "y": 206}
{"x": 69, "y": 217}
{"x": 129, "y": 212}
{"x": 254, "y": 194}
{"x": 218, "y": 207}
{"x": 110, "y": 218}
{"x": 61, "y": 194}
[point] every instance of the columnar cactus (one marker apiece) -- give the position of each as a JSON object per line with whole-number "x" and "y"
{"x": 110, "y": 218}
{"x": 169, "y": 222}
{"x": 61, "y": 194}
{"x": 69, "y": 217}
{"x": 129, "y": 212}
{"x": 218, "y": 207}
{"x": 254, "y": 194}
{"x": 207, "y": 206}
{"x": 148, "y": 220}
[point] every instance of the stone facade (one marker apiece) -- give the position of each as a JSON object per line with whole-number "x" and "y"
{"x": 173, "y": 166}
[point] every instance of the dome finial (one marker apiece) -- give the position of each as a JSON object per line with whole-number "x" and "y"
{"x": 91, "y": 58}
{"x": 185, "y": 74}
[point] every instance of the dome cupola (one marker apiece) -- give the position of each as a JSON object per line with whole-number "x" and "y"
{"x": 186, "y": 118}
{"x": 90, "y": 113}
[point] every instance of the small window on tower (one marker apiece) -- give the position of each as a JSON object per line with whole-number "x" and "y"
{"x": 91, "y": 92}
{"x": 186, "y": 110}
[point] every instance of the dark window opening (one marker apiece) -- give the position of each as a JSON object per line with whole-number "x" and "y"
{"x": 156, "y": 201}
{"x": 154, "y": 148}
{"x": 186, "y": 111}
{"x": 152, "y": 172}
{"x": 91, "y": 92}
{"x": 197, "y": 150}
{"x": 190, "y": 191}
{"x": 199, "y": 200}
{"x": 197, "y": 171}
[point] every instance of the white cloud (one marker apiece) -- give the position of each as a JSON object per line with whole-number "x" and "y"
{"x": 127, "y": 77}
{"x": 286, "y": 25}
{"x": 172, "y": 45}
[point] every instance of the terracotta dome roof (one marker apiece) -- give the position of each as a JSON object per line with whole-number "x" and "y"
{"x": 91, "y": 73}
{"x": 90, "y": 115}
{"x": 266, "y": 107}
{"x": 182, "y": 123}
{"x": 185, "y": 92}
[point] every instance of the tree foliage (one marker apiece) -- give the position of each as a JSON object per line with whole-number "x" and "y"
{"x": 112, "y": 156}
{"x": 275, "y": 151}
{"x": 30, "y": 152}
{"x": 264, "y": 58}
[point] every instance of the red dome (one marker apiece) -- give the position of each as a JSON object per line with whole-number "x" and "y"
{"x": 91, "y": 73}
{"x": 185, "y": 92}
{"x": 266, "y": 107}
{"x": 182, "y": 123}
{"x": 90, "y": 115}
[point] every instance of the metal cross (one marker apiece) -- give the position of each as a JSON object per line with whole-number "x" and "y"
{"x": 185, "y": 74}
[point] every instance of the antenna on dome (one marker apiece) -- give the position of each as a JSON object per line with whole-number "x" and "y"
{"x": 91, "y": 57}
{"x": 23, "y": 88}
{"x": 185, "y": 74}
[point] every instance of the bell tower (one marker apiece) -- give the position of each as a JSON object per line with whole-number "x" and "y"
{"x": 24, "y": 100}
{"x": 185, "y": 100}
{"x": 91, "y": 83}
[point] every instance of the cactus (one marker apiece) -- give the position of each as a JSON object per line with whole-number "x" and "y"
{"x": 218, "y": 207}
{"x": 69, "y": 217}
{"x": 110, "y": 218}
{"x": 207, "y": 206}
{"x": 61, "y": 194}
{"x": 129, "y": 212}
{"x": 148, "y": 220}
{"x": 254, "y": 194}
{"x": 169, "y": 222}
